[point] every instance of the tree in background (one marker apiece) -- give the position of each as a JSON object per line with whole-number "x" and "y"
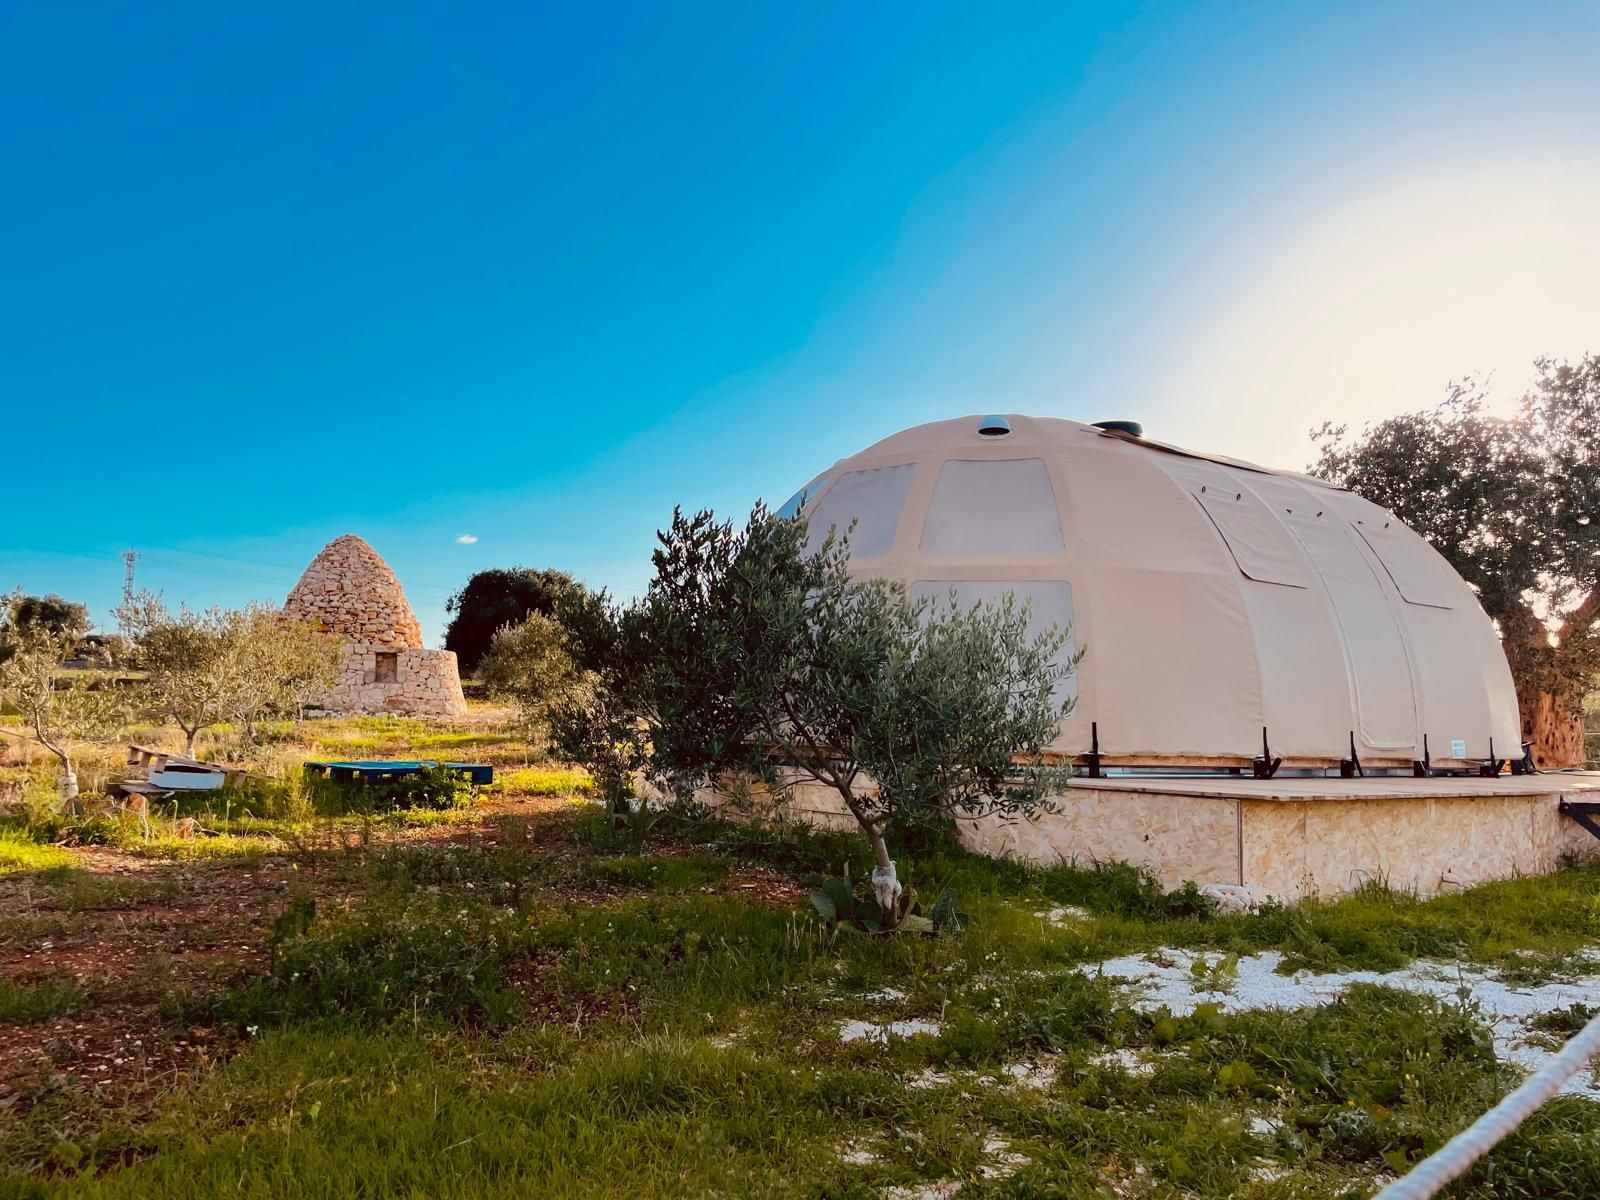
{"x": 22, "y": 614}
{"x": 499, "y": 597}
{"x": 768, "y": 660}
{"x": 1514, "y": 505}
{"x": 531, "y": 664}
{"x": 61, "y": 710}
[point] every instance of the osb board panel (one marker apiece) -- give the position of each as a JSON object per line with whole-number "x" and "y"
{"x": 813, "y": 803}
{"x": 1424, "y": 845}
{"x": 1176, "y": 839}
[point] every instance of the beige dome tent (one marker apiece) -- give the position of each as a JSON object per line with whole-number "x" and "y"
{"x": 1232, "y": 615}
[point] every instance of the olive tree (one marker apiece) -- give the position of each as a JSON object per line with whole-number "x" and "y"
{"x": 60, "y": 710}
{"x": 765, "y": 658}
{"x": 203, "y": 668}
{"x": 279, "y": 664}
{"x": 1514, "y": 505}
{"x": 190, "y": 668}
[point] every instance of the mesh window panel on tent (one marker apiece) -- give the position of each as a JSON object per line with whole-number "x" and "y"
{"x": 993, "y": 507}
{"x": 793, "y": 505}
{"x": 873, "y": 499}
{"x": 1049, "y": 603}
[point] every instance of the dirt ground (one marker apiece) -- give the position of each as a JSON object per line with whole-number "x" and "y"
{"x": 137, "y": 930}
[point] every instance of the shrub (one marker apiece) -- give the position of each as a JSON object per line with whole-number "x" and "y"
{"x": 436, "y": 788}
{"x": 437, "y": 957}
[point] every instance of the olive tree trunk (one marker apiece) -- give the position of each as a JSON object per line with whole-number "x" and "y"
{"x": 886, "y": 888}
{"x": 1553, "y": 723}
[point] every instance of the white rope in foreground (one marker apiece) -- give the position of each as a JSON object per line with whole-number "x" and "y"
{"x": 1452, "y": 1159}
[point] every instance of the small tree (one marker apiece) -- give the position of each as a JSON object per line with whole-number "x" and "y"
{"x": 1514, "y": 505}
{"x": 281, "y": 664}
{"x": 62, "y": 710}
{"x": 770, "y": 660}
{"x": 191, "y": 663}
{"x": 599, "y": 729}
{"x": 601, "y": 724}
{"x": 531, "y": 665}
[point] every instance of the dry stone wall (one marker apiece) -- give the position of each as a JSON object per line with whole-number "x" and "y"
{"x": 348, "y": 589}
{"x": 426, "y": 684}
{"x": 351, "y": 590}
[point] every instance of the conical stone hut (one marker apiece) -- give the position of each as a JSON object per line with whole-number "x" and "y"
{"x": 351, "y": 591}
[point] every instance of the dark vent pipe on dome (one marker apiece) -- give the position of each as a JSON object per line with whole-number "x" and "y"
{"x": 1131, "y": 428}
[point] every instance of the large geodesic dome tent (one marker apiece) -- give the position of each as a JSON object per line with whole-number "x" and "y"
{"x": 1232, "y": 615}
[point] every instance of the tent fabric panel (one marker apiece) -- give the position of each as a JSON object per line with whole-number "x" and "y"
{"x": 1125, "y": 511}
{"x": 1374, "y": 646}
{"x": 1305, "y": 682}
{"x": 1169, "y": 669}
{"x": 873, "y": 499}
{"x": 1003, "y": 506}
{"x": 1410, "y": 563}
{"x": 1463, "y": 693}
{"x": 796, "y": 503}
{"x": 1255, "y": 535}
{"x": 1420, "y": 573}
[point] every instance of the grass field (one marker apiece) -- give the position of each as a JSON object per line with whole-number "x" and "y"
{"x": 511, "y": 998}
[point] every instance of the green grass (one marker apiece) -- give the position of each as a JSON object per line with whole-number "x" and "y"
{"x": 37, "y": 1001}
{"x": 19, "y": 852}
{"x": 544, "y": 781}
{"x": 668, "y": 874}
{"x": 432, "y": 1043}
{"x": 76, "y": 890}
{"x": 239, "y": 850}
{"x": 562, "y": 1011}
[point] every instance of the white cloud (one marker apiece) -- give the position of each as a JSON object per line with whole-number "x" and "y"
{"x": 466, "y": 539}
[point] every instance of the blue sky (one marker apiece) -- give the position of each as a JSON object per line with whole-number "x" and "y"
{"x": 537, "y": 273}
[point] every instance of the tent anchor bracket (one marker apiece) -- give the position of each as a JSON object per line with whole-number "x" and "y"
{"x": 1265, "y": 766}
{"x": 1350, "y": 767}
{"x": 1091, "y": 760}
{"x": 1424, "y": 766}
{"x": 1492, "y": 765}
{"x": 1524, "y": 765}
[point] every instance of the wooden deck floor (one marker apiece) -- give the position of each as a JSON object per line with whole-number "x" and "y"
{"x": 1237, "y": 787}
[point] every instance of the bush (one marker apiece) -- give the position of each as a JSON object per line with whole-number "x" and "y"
{"x": 437, "y": 957}
{"x": 437, "y": 788}
{"x": 254, "y": 797}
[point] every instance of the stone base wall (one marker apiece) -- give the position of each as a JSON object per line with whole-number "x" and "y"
{"x": 1286, "y": 849}
{"x": 1175, "y": 838}
{"x": 426, "y": 684}
{"x": 1290, "y": 849}
{"x": 1421, "y": 845}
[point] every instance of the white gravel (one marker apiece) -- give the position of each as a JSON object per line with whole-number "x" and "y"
{"x": 1171, "y": 983}
{"x": 1130, "y": 1061}
{"x": 857, "y": 1031}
